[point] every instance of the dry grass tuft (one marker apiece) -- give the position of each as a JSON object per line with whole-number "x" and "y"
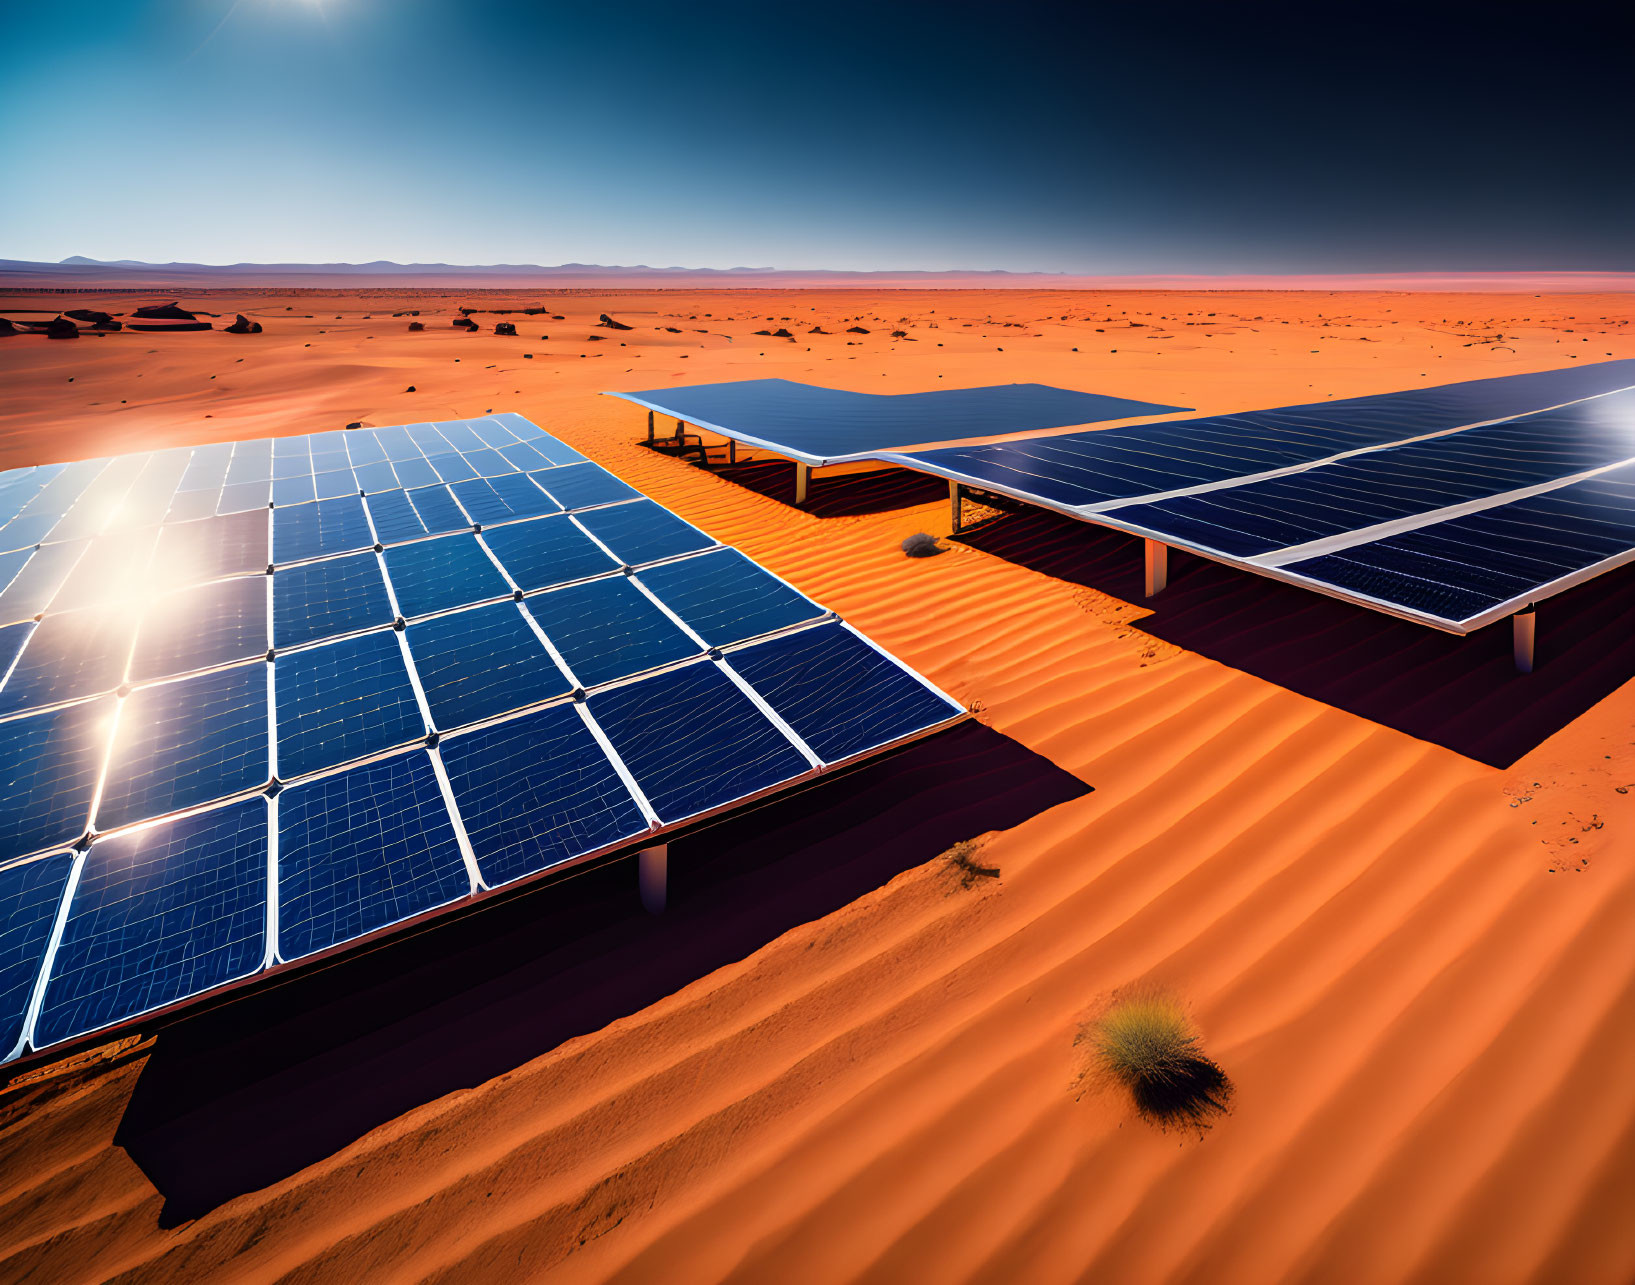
{"x": 962, "y": 858}
{"x": 1149, "y": 1045}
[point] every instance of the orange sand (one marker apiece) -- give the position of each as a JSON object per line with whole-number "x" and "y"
{"x": 1416, "y": 964}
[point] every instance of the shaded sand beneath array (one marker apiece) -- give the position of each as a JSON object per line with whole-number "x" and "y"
{"x": 1390, "y": 880}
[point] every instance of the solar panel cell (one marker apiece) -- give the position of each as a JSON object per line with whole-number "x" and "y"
{"x": 481, "y": 663}
{"x": 435, "y": 575}
{"x": 725, "y": 598}
{"x": 642, "y": 531}
{"x": 841, "y": 695}
{"x": 577, "y": 486}
{"x": 547, "y": 551}
{"x": 361, "y": 850}
{"x": 317, "y": 600}
{"x": 185, "y": 743}
{"x": 193, "y": 552}
{"x": 30, "y": 894}
{"x": 202, "y": 627}
{"x": 160, "y": 914}
{"x": 537, "y": 791}
{"x": 52, "y": 761}
{"x": 344, "y": 701}
{"x": 68, "y": 657}
{"x": 503, "y": 499}
{"x": 609, "y": 629}
{"x": 315, "y": 530}
{"x": 693, "y": 741}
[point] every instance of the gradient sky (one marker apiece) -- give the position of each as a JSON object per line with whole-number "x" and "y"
{"x": 1128, "y": 138}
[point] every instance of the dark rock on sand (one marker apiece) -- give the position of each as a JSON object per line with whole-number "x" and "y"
{"x": 417, "y": 325}
{"x": 164, "y": 312}
{"x": 89, "y": 315}
{"x": 856, "y": 330}
{"x": 409, "y": 389}
{"x": 505, "y": 328}
{"x": 243, "y": 326}
{"x": 921, "y": 545}
{"x": 612, "y": 324}
{"x": 465, "y": 323}
{"x": 781, "y": 333}
{"x": 8, "y": 327}
{"x": 817, "y": 330}
{"x": 61, "y": 328}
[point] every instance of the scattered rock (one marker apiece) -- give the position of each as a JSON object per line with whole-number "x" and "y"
{"x": 781, "y": 333}
{"x": 89, "y": 315}
{"x": 61, "y": 328}
{"x": 763, "y": 332}
{"x": 8, "y": 327}
{"x": 243, "y": 326}
{"x": 612, "y": 324}
{"x": 856, "y": 330}
{"x": 164, "y": 312}
{"x": 817, "y": 330}
{"x": 464, "y": 322}
{"x": 899, "y": 334}
{"x": 672, "y": 330}
{"x": 409, "y": 389}
{"x": 417, "y": 325}
{"x": 505, "y": 328}
{"x": 921, "y": 545}
{"x": 357, "y": 423}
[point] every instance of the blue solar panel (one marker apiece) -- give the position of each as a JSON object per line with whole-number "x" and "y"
{"x": 578, "y": 486}
{"x": 1399, "y": 481}
{"x": 608, "y": 629}
{"x": 415, "y": 472}
{"x": 503, "y": 499}
{"x": 536, "y": 791}
{"x": 243, "y": 497}
{"x": 363, "y": 849}
{"x": 335, "y": 483}
{"x": 642, "y": 531}
{"x": 547, "y": 551}
{"x": 29, "y": 895}
{"x": 101, "y": 499}
{"x": 726, "y": 598}
{"x": 251, "y": 462}
{"x": 343, "y": 701}
{"x": 409, "y": 515}
{"x": 374, "y": 477}
{"x": 185, "y": 743}
{"x": 52, "y": 761}
{"x": 289, "y": 466}
{"x": 12, "y": 638}
{"x": 435, "y": 575}
{"x": 294, "y": 490}
{"x": 525, "y": 456}
{"x": 37, "y": 583}
{"x": 489, "y": 463}
{"x": 112, "y": 569}
{"x": 70, "y": 656}
{"x": 825, "y": 425}
{"x": 305, "y": 531}
{"x": 397, "y": 444}
{"x": 841, "y": 695}
{"x": 193, "y": 552}
{"x": 492, "y": 433}
{"x": 11, "y": 564}
{"x": 322, "y": 599}
{"x": 693, "y": 741}
{"x": 1461, "y": 567}
{"x": 186, "y": 506}
{"x": 477, "y": 664}
{"x": 1144, "y": 459}
{"x": 199, "y": 628}
{"x": 363, "y": 448}
{"x": 556, "y": 452}
{"x": 452, "y": 467}
{"x": 160, "y": 914}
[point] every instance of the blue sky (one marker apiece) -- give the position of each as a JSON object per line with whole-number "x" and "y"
{"x": 1090, "y": 139}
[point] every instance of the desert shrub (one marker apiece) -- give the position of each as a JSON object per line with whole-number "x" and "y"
{"x": 1149, "y": 1045}
{"x": 962, "y": 858}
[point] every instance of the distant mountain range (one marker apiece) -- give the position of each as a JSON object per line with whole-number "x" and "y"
{"x": 78, "y": 272}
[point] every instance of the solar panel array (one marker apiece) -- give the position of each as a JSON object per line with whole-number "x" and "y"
{"x": 820, "y": 426}
{"x": 1452, "y": 505}
{"x": 261, "y": 699}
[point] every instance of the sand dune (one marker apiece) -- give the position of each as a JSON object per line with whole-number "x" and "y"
{"x": 1415, "y": 963}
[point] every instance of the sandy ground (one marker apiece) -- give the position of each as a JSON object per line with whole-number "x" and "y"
{"x": 1393, "y": 882}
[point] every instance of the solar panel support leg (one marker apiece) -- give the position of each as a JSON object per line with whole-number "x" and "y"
{"x": 1522, "y": 629}
{"x": 653, "y": 877}
{"x": 649, "y": 428}
{"x": 1157, "y": 559}
{"x": 803, "y": 477}
{"x": 954, "y": 497}
{"x": 732, "y": 450}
